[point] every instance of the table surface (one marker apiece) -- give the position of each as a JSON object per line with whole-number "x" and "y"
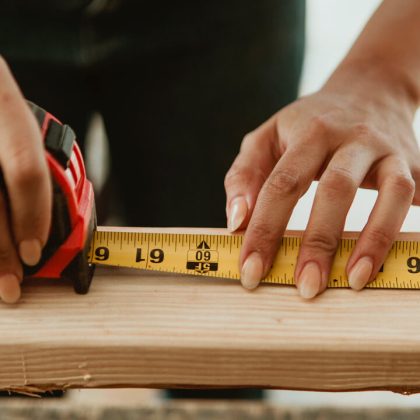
{"x": 144, "y": 329}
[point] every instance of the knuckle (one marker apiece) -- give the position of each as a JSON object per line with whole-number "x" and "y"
{"x": 232, "y": 177}
{"x": 264, "y": 236}
{"x": 283, "y": 182}
{"x": 319, "y": 125}
{"x": 320, "y": 241}
{"x": 403, "y": 184}
{"x": 253, "y": 142}
{"x": 240, "y": 176}
{"x": 338, "y": 180}
{"x": 363, "y": 130}
{"x": 379, "y": 237}
{"x": 248, "y": 140}
{"x": 416, "y": 171}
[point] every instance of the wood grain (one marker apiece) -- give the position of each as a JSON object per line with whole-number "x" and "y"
{"x": 142, "y": 329}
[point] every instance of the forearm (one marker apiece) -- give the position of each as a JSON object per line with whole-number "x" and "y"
{"x": 389, "y": 49}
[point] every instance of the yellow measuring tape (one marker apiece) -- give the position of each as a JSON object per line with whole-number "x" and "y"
{"x": 217, "y": 255}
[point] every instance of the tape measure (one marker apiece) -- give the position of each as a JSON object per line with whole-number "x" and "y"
{"x": 217, "y": 255}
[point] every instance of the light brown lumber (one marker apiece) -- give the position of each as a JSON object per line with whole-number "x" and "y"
{"x": 142, "y": 329}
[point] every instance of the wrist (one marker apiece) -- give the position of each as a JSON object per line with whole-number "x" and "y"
{"x": 375, "y": 80}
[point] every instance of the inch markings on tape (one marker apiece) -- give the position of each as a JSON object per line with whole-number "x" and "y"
{"x": 216, "y": 255}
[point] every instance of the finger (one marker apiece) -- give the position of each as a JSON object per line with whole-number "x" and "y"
{"x": 10, "y": 268}
{"x": 256, "y": 159}
{"x": 25, "y": 170}
{"x": 290, "y": 178}
{"x": 335, "y": 193}
{"x": 396, "y": 191}
{"x": 415, "y": 171}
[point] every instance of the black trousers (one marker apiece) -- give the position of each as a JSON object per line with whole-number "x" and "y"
{"x": 178, "y": 84}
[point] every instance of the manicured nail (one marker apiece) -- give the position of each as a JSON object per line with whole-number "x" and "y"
{"x": 252, "y": 271}
{"x": 360, "y": 273}
{"x": 30, "y": 251}
{"x": 238, "y": 211}
{"x": 9, "y": 288}
{"x": 310, "y": 280}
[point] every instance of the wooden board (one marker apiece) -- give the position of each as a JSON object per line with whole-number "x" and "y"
{"x": 140, "y": 329}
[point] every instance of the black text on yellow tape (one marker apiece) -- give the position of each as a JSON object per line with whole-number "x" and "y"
{"x": 218, "y": 256}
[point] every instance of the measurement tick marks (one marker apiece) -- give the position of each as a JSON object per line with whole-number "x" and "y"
{"x": 217, "y": 255}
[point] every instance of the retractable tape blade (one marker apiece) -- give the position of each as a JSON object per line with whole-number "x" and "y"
{"x": 217, "y": 255}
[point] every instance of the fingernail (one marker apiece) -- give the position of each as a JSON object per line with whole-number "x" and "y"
{"x": 30, "y": 251}
{"x": 238, "y": 211}
{"x": 252, "y": 271}
{"x": 360, "y": 273}
{"x": 310, "y": 280}
{"x": 9, "y": 288}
